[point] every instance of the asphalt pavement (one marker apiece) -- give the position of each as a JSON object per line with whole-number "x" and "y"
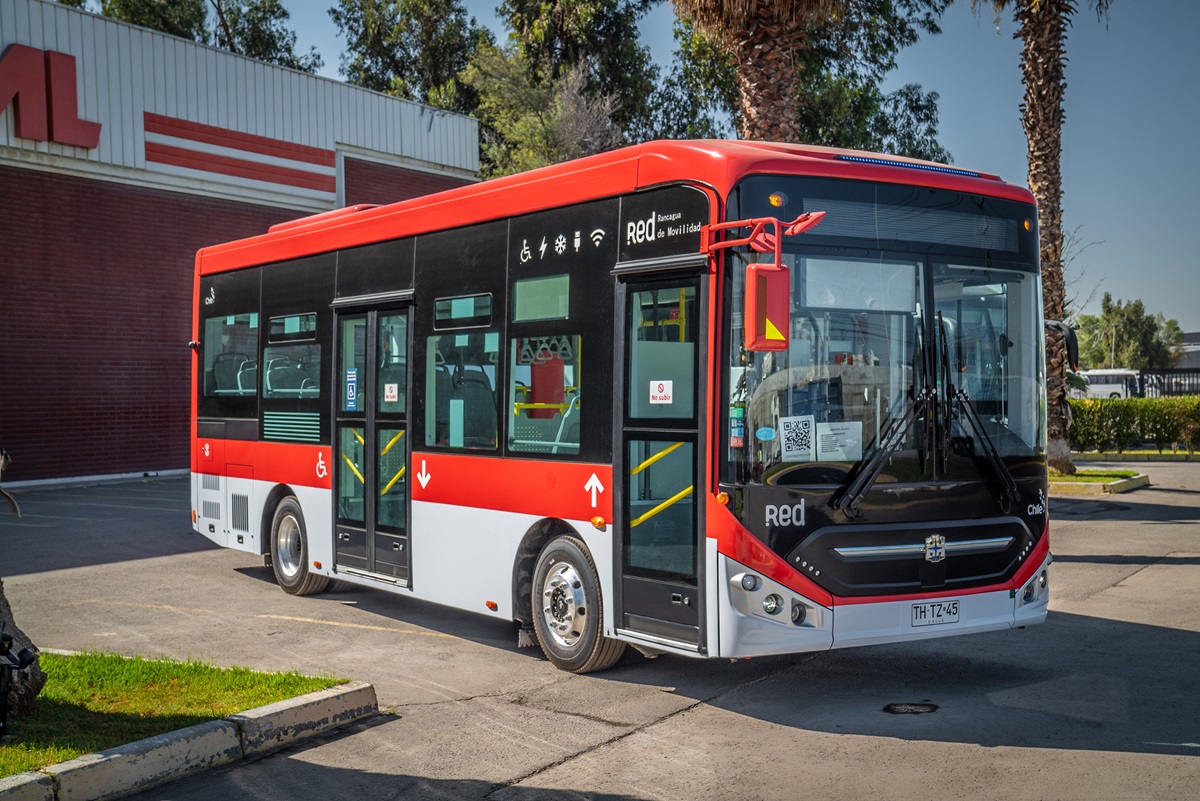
{"x": 1101, "y": 702}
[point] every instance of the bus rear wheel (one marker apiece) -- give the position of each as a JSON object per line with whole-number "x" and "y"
{"x": 289, "y": 551}
{"x": 567, "y": 612}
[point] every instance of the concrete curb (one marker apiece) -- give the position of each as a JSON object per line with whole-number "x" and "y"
{"x": 147, "y": 763}
{"x": 1095, "y": 456}
{"x": 1097, "y": 488}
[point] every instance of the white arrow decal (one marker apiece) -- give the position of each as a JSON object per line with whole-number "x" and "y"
{"x": 593, "y": 486}
{"x": 423, "y": 476}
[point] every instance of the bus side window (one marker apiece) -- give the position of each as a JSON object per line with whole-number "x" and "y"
{"x": 544, "y": 394}
{"x": 230, "y": 348}
{"x": 460, "y": 390}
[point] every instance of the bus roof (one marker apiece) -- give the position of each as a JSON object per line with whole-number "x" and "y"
{"x": 717, "y": 163}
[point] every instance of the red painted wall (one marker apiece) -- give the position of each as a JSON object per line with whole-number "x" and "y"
{"x": 95, "y": 316}
{"x": 95, "y": 313}
{"x": 368, "y": 182}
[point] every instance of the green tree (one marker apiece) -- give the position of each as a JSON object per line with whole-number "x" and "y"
{"x": 1125, "y": 335}
{"x": 256, "y": 28}
{"x": 529, "y": 123}
{"x": 762, "y": 38}
{"x": 843, "y": 62}
{"x": 698, "y": 98}
{"x": 413, "y": 49}
{"x": 253, "y": 28}
{"x": 1042, "y": 28}
{"x": 187, "y": 19}
{"x": 555, "y": 36}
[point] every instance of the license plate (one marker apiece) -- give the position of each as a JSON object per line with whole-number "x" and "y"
{"x": 935, "y": 613}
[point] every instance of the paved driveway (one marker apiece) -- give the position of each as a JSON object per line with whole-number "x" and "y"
{"x": 1101, "y": 702}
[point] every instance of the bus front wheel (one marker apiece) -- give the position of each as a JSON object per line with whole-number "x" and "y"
{"x": 567, "y": 612}
{"x": 289, "y": 551}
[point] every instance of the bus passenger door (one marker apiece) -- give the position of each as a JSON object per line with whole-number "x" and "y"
{"x": 656, "y": 454}
{"x": 371, "y": 445}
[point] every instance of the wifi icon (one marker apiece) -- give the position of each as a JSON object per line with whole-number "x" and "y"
{"x": 597, "y": 236}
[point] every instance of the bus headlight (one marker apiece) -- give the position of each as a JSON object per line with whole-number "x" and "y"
{"x": 749, "y": 582}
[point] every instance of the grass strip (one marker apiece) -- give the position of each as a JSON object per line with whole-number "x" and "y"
{"x": 1093, "y": 476}
{"x": 94, "y": 701}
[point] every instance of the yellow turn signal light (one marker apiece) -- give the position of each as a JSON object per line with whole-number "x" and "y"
{"x": 723, "y": 498}
{"x": 492, "y": 605}
{"x": 599, "y": 523}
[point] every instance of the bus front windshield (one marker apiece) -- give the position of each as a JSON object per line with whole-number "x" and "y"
{"x": 873, "y": 331}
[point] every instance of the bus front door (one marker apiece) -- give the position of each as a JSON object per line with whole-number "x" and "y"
{"x": 371, "y": 443}
{"x": 656, "y": 454}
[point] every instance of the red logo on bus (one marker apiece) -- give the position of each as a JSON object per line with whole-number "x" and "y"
{"x": 40, "y": 86}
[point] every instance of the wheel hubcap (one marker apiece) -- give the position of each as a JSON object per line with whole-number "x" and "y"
{"x": 287, "y": 547}
{"x": 564, "y": 605}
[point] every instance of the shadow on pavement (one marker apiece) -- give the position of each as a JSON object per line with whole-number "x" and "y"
{"x": 65, "y": 527}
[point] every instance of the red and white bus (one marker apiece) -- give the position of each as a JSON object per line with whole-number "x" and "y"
{"x": 715, "y": 399}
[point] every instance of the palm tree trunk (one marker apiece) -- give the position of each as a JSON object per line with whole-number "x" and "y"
{"x": 766, "y": 76}
{"x": 1042, "y": 27}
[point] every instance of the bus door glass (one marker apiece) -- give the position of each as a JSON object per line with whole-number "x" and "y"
{"x": 657, "y": 451}
{"x": 372, "y": 444}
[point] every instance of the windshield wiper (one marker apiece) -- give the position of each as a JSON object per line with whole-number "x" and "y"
{"x": 991, "y": 456}
{"x": 891, "y": 440}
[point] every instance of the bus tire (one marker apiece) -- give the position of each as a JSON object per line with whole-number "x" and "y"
{"x": 568, "y": 615}
{"x": 289, "y": 551}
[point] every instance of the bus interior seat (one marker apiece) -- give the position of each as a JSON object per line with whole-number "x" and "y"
{"x": 226, "y": 367}
{"x": 474, "y": 389}
{"x": 247, "y": 378}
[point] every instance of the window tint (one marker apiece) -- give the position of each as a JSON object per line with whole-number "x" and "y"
{"x": 393, "y": 363}
{"x": 663, "y": 329}
{"x": 460, "y": 390}
{"x": 544, "y": 394}
{"x": 231, "y": 355}
{"x": 467, "y": 312}
{"x": 546, "y": 298}
{"x": 292, "y": 370}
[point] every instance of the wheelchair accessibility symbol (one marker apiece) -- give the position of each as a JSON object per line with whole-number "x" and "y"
{"x": 322, "y": 470}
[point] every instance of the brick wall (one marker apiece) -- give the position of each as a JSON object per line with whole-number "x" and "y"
{"x": 95, "y": 316}
{"x": 369, "y": 182}
{"x": 95, "y": 313}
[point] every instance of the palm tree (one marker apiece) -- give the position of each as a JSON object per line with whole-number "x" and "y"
{"x": 761, "y": 36}
{"x": 1042, "y": 28}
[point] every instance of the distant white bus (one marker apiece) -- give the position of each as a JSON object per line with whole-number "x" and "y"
{"x": 1112, "y": 383}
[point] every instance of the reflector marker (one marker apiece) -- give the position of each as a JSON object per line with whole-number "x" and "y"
{"x": 910, "y": 166}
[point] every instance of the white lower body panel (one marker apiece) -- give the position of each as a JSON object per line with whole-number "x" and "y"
{"x": 747, "y": 629}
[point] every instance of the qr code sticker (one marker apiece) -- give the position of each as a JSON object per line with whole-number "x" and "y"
{"x": 797, "y": 438}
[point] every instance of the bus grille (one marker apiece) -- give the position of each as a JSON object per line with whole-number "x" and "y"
{"x": 209, "y": 481}
{"x": 292, "y": 426}
{"x": 211, "y": 510}
{"x": 240, "y": 511}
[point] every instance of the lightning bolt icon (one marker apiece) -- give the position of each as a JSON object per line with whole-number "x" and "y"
{"x": 542, "y": 250}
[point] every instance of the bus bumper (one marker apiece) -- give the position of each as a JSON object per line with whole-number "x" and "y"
{"x": 747, "y": 628}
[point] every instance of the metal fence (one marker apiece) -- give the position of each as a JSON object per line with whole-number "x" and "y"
{"x": 1168, "y": 383}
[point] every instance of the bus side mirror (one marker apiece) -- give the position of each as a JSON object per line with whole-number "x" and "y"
{"x": 767, "y": 315}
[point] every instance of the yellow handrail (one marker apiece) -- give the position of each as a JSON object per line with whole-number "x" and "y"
{"x": 654, "y": 458}
{"x": 350, "y": 464}
{"x": 388, "y": 447}
{"x": 397, "y": 477}
{"x": 668, "y": 502}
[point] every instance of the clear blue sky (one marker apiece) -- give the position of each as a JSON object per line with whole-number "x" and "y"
{"x": 1133, "y": 111}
